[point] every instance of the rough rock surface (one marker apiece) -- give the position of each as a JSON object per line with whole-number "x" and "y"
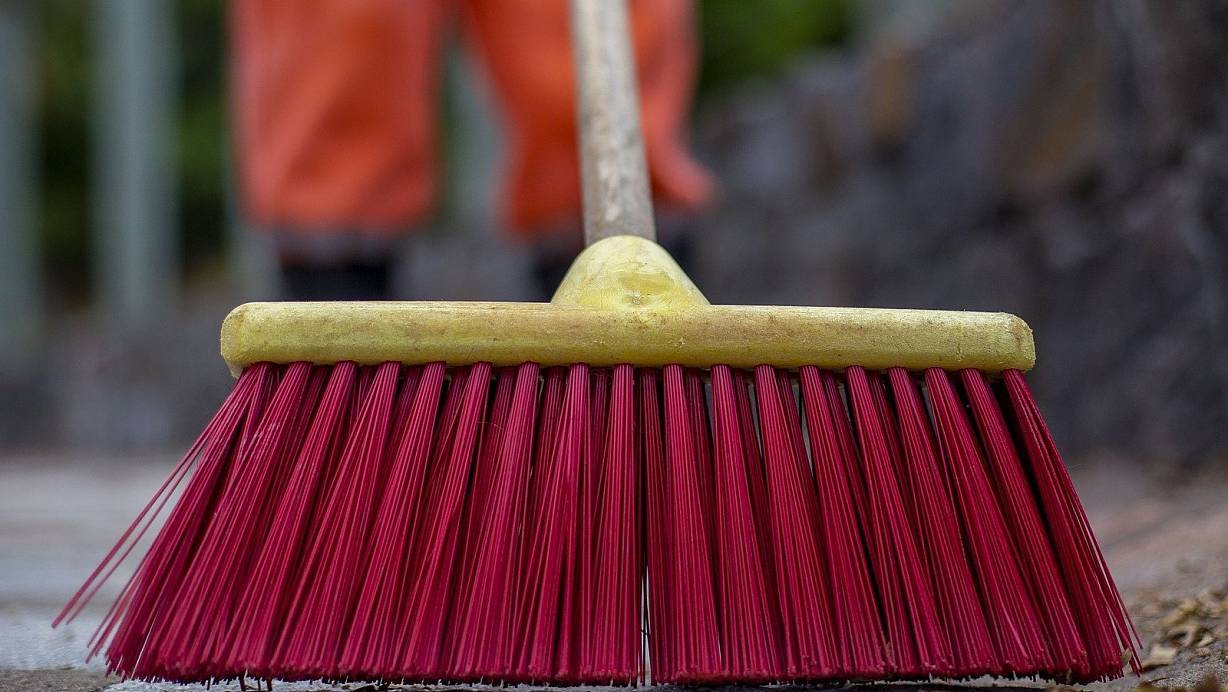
{"x": 1066, "y": 161}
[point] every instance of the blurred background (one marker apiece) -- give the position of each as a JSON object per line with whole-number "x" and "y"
{"x": 1065, "y": 160}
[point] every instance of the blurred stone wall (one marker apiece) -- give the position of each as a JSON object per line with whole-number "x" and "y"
{"x": 1066, "y": 160}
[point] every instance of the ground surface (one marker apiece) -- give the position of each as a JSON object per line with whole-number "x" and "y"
{"x": 1167, "y": 545}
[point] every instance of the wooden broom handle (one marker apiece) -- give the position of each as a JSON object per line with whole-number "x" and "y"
{"x": 613, "y": 170}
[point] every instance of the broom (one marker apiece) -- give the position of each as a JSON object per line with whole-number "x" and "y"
{"x": 500, "y": 492}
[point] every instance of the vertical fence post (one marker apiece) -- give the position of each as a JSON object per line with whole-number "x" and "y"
{"x": 134, "y": 181}
{"x": 21, "y": 304}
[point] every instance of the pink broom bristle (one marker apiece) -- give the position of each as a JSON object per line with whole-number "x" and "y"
{"x": 756, "y": 481}
{"x": 1066, "y": 648}
{"x": 222, "y": 423}
{"x": 756, "y": 477}
{"x": 939, "y": 531}
{"x": 1013, "y": 622}
{"x": 439, "y": 540}
{"x": 804, "y": 604}
{"x": 688, "y": 586}
{"x": 588, "y": 514}
{"x": 915, "y": 638}
{"x": 1098, "y": 609}
{"x": 267, "y": 594}
{"x": 750, "y": 627}
{"x": 661, "y": 615}
{"x": 371, "y": 644}
{"x": 204, "y": 607}
{"x": 701, "y": 441}
{"x": 854, "y": 604}
{"x": 547, "y": 605}
{"x": 614, "y": 644}
{"x": 333, "y": 569}
{"x": 520, "y": 524}
{"x": 147, "y": 598}
{"x": 483, "y": 639}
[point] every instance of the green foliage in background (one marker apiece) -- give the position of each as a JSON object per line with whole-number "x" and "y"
{"x": 741, "y": 39}
{"x": 202, "y": 144}
{"x": 744, "y": 39}
{"x": 65, "y": 102}
{"x": 63, "y": 118}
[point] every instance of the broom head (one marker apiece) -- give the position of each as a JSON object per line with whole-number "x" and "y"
{"x": 504, "y": 492}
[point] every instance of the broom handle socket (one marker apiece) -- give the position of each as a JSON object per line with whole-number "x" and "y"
{"x": 613, "y": 170}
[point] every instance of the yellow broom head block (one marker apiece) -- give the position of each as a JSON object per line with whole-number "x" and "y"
{"x": 624, "y": 300}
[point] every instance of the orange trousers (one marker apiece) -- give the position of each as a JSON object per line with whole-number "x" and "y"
{"x": 335, "y": 108}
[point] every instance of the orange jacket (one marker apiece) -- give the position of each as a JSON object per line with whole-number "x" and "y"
{"x": 336, "y": 105}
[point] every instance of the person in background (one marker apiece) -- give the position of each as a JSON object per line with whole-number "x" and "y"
{"x": 335, "y": 107}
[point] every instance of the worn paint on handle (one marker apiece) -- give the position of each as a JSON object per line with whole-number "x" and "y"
{"x": 613, "y": 170}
